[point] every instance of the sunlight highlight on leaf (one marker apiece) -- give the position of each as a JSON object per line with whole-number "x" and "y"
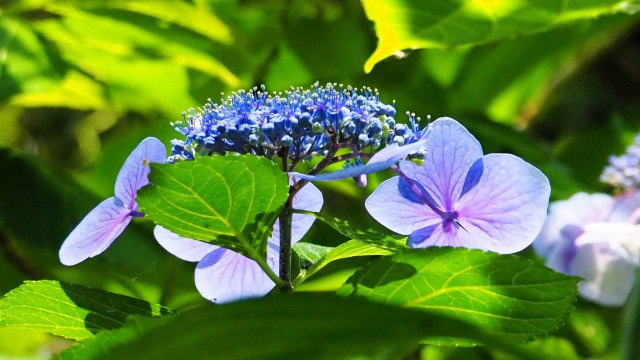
{"x": 72, "y": 311}
{"x": 229, "y": 201}
{"x": 405, "y": 24}
{"x": 504, "y": 294}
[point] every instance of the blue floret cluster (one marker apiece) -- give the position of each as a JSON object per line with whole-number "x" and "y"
{"x": 298, "y": 124}
{"x": 624, "y": 171}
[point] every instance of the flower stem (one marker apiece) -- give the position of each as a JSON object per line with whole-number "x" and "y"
{"x": 285, "y": 245}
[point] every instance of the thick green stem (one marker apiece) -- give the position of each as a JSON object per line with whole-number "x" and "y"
{"x": 285, "y": 245}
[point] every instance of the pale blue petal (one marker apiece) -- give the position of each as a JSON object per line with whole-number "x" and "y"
{"x": 380, "y": 161}
{"x": 181, "y": 247}
{"x": 608, "y": 276}
{"x": 224, "y": 276}
{"x": 95, "y": 232}
{"x": 135, "y": 171}
{"x": 573, "y": 213}
{"x": 505, "y": 211}
{"x": 451, "y": 150}
{"x": 396, "y": 207}
{"x": 309, "y": 198}
{"x": 625, "y": 207}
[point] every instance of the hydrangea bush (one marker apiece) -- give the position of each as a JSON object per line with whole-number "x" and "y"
{"x": 236, "y": 194}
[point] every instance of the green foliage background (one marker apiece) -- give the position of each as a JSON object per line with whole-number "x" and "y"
{"x": 82, "y": 82}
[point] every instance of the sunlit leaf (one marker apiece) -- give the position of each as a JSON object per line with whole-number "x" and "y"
{"x": 407, "y": 24}
{"x": 351, "y": 248}
{"x": 185, "y": 14}
{"x": 230, "y": 201}
{"x": 72, "y": 311}
{"x": 79, "y": 32}
{"x": 310, "y": 253}
{"x": 75, "y": 91}
{"x": 507, "y": 295}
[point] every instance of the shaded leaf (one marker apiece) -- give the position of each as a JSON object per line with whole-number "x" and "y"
{"x": 72, "y": 311}
{"x": 392, "y": 242}
{"x": 325, "y": 327}
{"x": 406, "y": 24}
{"x": 506, "y": 295}
{"x": 229, "y": 201}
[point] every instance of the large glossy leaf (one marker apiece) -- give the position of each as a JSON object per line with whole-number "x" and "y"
{"x": 283, "y": 326}
{"x": 408, "y": 24}
{"x": 72, "y": 311}
{"x": 507, "y": 295}
{"x": 230, "y": 201}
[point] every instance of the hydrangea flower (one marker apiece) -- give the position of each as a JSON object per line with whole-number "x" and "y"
{"x": 594, "y": 236}
{"x": 223, "y": 275}
{"x": 624, "y": 171}
{"x": 296, "y": 125}
{"x": 459, "y": 197}
{"x": 105, "y": 223}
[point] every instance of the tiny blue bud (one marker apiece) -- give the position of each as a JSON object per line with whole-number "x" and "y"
{"x": 390, "y": 121}
{"x": 391, "y": 111}
{"x": 363, "y": 140}
{"x": 254, "y": 140}
{"x": 375, "y": 127}
{"x": 286, "y": 141}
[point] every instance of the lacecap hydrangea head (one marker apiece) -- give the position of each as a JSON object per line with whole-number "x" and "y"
{"x": 299, "y": 123}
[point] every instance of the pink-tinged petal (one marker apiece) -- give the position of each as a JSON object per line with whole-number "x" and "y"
{"x": 380, "y": 161}
{"x": 95, "y": 232}
{"x": 135, "y": 171}
{"x": 505, "y": 210}
{"x": 395, "y": 206}
{"x": 224, "y": 276}
{"x": 567, "y": 218}
{"x": 608, "y": 275}
{"x": 451, "y": 150}
{"x": 181, "y": 247}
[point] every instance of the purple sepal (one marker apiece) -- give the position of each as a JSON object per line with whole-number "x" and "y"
{"x": 106, "y": 222}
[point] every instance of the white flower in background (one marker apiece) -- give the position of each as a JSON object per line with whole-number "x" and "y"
{"x": 596, "y": 237}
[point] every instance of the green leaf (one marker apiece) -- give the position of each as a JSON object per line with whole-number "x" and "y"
{"x": 197, "y": 19}
{"x": 310, "y": 253}
{"x": 230, "y": 201}
{"x": 351, "y": 248}
{"x": 506, "y": 295}
{"x": 282, "y": 326}
{"x": 370, "y": 236}
{"x": 72, "y": 311}
{"x": 407, "y": 24}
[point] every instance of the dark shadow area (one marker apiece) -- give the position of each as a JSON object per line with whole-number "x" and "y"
{"x": 111, "y": 316}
